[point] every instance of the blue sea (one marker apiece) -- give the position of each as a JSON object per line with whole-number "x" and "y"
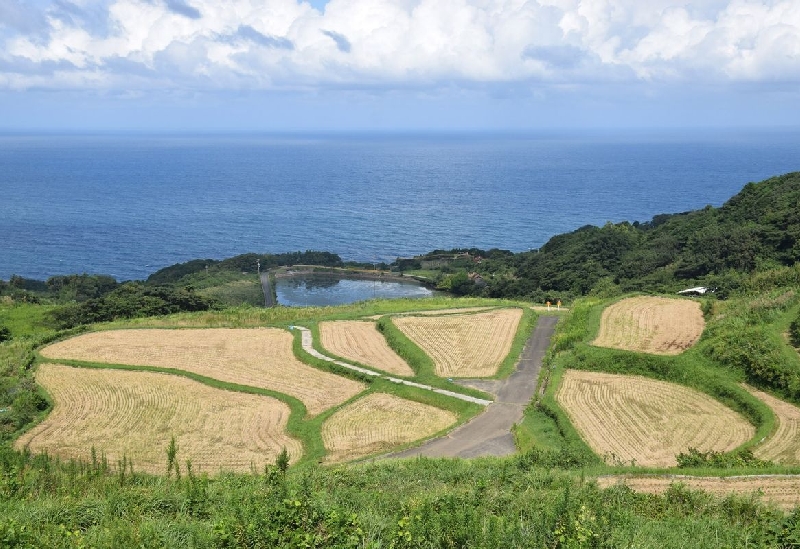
{"x": 127, "y": 205}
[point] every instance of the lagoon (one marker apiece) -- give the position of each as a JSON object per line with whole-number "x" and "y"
{"x": 325, "y": 290}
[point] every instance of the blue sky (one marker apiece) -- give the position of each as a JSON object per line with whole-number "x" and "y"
{"x": 289, "y": 65}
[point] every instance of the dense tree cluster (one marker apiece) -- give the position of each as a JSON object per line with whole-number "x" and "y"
{"x": 247, "y": 263}
{"x": 130, "y": 300}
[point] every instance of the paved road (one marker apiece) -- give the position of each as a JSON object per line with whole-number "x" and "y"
{"x": 489, "y": 434}
{"x": 266, "y": 285}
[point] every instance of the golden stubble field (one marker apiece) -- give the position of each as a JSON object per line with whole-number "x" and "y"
{"x": 259, "y": 357}
{"x": 782, "y": 446}
{"x": 656, "y": 325}
{"x": 362, "y": 342}
{"x": 135, "y": 414}
{"x": 464, "y": 345}
{"x": 781, "y": 490}
{"x": 649, "y": 421}
{"x": 379, "y": 422}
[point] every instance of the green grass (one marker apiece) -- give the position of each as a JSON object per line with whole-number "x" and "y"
{"x": 25, "y": 319}
{"x": 484, "y": 503}
{"x": 527, "y": 323}
{"x": 237, "y": 292}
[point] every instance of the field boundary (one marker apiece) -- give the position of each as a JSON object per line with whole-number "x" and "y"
{"x": 308, "y": 346}
{"x": 490, "y": 433}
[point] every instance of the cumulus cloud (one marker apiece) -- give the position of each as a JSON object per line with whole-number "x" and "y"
{"x": 395, "y": 44}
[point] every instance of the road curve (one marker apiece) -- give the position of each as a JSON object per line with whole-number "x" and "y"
{"x": 489, "y": 434}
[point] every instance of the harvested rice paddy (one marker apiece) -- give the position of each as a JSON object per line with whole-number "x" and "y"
{"x": 656, "y": 325}
{"x": 135, "y": 414}
{"x": 362, "y": 342}
{"x": 782, "y": 446}
{"x": 780, "y": 490}
{"x": 379, "y": 422}
{"x": 649, "y": 422}
{"x": 464, "y": 345}
{"x": 260, "y": 357}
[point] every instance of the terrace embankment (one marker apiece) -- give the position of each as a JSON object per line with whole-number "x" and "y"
{"x": 489, "y": 434}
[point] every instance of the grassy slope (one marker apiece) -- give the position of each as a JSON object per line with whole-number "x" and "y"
{"x": 432, "y": 503}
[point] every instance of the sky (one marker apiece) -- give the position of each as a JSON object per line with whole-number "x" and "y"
{"x": 397, "y": 65}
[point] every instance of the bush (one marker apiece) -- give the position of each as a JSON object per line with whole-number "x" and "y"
{"x": 694, "y": 458}
{"x": 794, "y": 332}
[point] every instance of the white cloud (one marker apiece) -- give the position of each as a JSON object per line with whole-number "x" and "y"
{"x": 394, "y": 44}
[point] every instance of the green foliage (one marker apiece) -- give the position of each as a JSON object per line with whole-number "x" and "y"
{"x": 28, "y": 284}
{"x": 172, "y": 457}
{"x": 5, "y": 334}
{"x": 80, "y": 287}
{"x": 457, "y": 284}
{"x": 747, "y": 336}
{"x": 282, "y": 461}
{"x": 695, "y": 459}
{"x": 244, "y": 290}
{"x": 247, "y": 263}
{"x": 794, "y": 331}
{"x": 131, "y": 300}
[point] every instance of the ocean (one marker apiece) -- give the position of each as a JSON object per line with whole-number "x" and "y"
{"x": 128, "y": 205}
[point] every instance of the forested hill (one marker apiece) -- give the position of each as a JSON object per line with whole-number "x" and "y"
{"x": 756, "y": 229}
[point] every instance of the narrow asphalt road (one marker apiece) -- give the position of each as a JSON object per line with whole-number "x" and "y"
{"x": 266, "y": 285}
{"x": 489, "y": 434}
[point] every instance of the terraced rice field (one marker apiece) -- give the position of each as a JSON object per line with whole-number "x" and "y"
{"x": 656, "y": 325}
{"x": 783, "y": 446}
{"x": 464, "y": 345}
{"x": 631, "y": 418}
{"x": 781, "y": 490}
{"x": 379, "y": 422}
{"x": 454, "y": 310}
{"x": 260, "y": 357}
{"x": 362, "y": 342}
{"x": 135, "y": 414}
{"x": 451, "y": 311}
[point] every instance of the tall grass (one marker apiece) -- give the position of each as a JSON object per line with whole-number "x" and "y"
{"x": 484, "y": 503}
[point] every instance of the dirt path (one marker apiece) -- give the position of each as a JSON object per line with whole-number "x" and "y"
{"x": 489, "y": 434}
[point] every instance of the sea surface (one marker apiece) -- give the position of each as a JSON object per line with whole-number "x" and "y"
{"x": 127, "y": 205}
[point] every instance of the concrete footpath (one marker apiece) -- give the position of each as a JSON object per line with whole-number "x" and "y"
{"x": 308, "y": 346}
